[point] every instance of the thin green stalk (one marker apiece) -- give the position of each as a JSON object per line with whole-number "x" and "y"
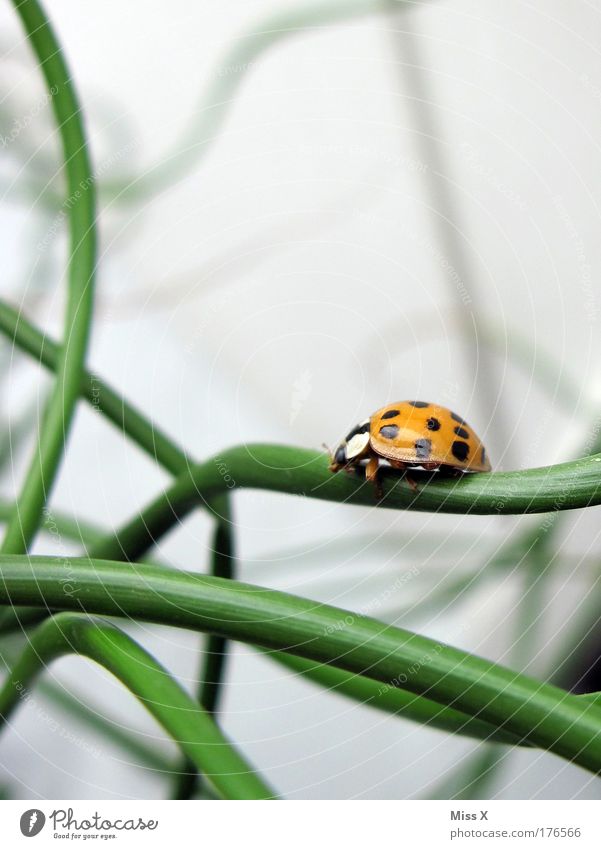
{"x": 356, "y": 687}
{"x": 474, "y": 776}
{"x": 79, "y": 711}
{"x": 506, "y": 342}
{"x": 222, "y": 566}
{"x": 190, "y": 727}
{"x": 62, "y": 525}
{"x": 473, "y": 779}
{"x": 303, "y": 472}
{"x": 211, "y": 110}
{"x": 97, "y": 392}
{"x": 566, "y": 667}
{"x": 80, "y": 203}
{"x": 209, "y": 114}
{"x": 401, "y": 703}
{"x": 215, "y": 654}
{"x": 109, "y": 403}
{"x": 543, "y": 715}
{"x": 364, "y": 690}
{"x": 532, "y": 547}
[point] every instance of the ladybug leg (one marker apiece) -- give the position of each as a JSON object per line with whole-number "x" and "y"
{"x": 410, "y": 481}
{"x": 398, "y": 464}
{"x": 371, "y": 474}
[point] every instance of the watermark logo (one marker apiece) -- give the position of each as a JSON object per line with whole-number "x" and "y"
{"x": 32, "y": 822}
{"x": 301, "y": 390}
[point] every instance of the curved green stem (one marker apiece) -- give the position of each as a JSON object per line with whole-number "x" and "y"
{"x": 190, "y": 726}
{"x": 79, "y": 711}
{"x": 531, "y": 548}
{"x": 210, "y": 113}
{"x": 473, "y": 779}
{"x": 364, "y": 690}
{"x": 62, "y": 525}
{"x": 80, "y": 203}
{"x": 97, "y": 393}
{"x": 299, "y": 471}
{"x": 543, "y": 715}
{"x": 222, "y": 566}
{"x": 401, "y": 703}
{"x": 109, "y": 403}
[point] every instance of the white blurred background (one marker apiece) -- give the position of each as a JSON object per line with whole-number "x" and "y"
{"x": 384, "y": 201}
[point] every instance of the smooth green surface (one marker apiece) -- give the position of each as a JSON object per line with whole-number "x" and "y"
{"x": 214, "y": 654}
{"x": 302, "y": 472}
{"x": 188, "y": 724}
{"x": 124, "y": 415}
{"x": 402, "y": 703}
{"x": 542, "y": 714}
{"x": 111, "y": 730}
{"x": 80, "y": 211}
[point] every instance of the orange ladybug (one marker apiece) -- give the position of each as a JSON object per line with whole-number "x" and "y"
{"x": 412, "y": 434}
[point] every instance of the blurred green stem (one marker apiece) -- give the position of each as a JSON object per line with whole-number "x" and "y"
{"x": 80, "y": 204}
{"x": 189, "y": 725}
{"x": 92, "y": 720}
{"x": 97, "y": 393}
{"x": 209, "y": 114}
{"x": 215, "y": 653}
{"x": 542, "y": 714}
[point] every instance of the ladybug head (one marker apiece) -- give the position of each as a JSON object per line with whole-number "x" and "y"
{"x": 353, "y": 448}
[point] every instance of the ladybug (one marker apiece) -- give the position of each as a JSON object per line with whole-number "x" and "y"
{"x": 412, "y": 434}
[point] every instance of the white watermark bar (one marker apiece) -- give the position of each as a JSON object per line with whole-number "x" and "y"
{"x": 303, "y": 824}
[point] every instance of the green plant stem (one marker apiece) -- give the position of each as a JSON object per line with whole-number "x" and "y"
{"x": 299, "y": 471}
{"x": 401, "y": 703}
{"x": 62, "y": 525}
{"x": 471, "y": 780}
{"x": 532, "y": 549}
{"x": 222, "y": 566}
{"x": 208, "y": 116}
{"x": 507, "y": 342}
{"x": 543, "y": 715}
{"x": 576, "y": 645}
{"x": 215, "y": 654}
{"x": 366, "y": 691}
{"x": 77, "y": 709}
{"x": 191, "y": 727}
{"x": 356, "y": 687}
{"x": 109, "y": 403}
{"x": 109, "y": 729}
{"x": 56, "y": 422}
{"x": 127, "y": 418}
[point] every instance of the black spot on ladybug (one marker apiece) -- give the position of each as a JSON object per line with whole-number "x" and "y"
{"x": 433, "y": 424}
{"x": 457, "y": 418}
{"x": 423, "y": 448}
{"x": 460, "y": 450}
{"x": 462, "y": 432}
{"x": 360, "y": 428}
{"x": 418, "y": 403}
{"x": 389, "y": 431}
{"x": 391, "y": 414}
{"x": 340, "y": 455}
